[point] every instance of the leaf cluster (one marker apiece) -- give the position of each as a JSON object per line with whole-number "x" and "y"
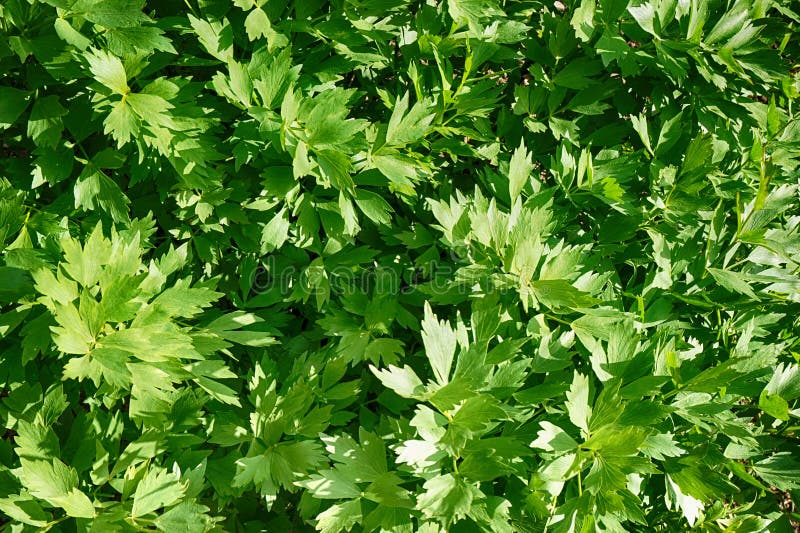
{"x": 399, "y": 265}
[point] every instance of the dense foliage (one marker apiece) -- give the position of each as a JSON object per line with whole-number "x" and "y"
{"x": 399, "y": 265}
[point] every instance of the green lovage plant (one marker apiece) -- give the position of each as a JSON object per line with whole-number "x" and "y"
{"x": 399, "y": 266}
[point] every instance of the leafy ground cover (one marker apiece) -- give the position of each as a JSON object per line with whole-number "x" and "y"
{"x": 395, "y": 265}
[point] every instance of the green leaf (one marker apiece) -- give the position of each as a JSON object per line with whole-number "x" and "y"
{"x": 604, "y": 477}
{"x": 403, "y": 381}
{"x": 729, "y": 23}
{"x": 447, "y": 498}
{"x": 84, "y": 263}
{"x": 339, "y": 517}
{"x": 108, "y": 70}
{"x": 732, "y": 281}
{"x": 186, "y": 516}
{"x": 780, "y": 470}
{"x": 111, "y": 13}
{"x": 577, "y": 403}
{"x": 336, "y": 167}
{"x": 440, "y": 345}
{"x": 14, "y": 284}
{"x": 12, "y": 104}
{"x": 331, "y": 485}
{"x": 552, "y": 438}
{"x": 669, "y": 135}
{"x": 216, "y": 37}
{"x": 70, "y": 35}
{"x": 141, "y": 39}
{"x": 556, "y": 293}
{"x": 519, "y": 171}
{"x": 56, "y": 483}
{"x": 645, "y": 16}
{"x": 583, "y": 20}
{"x": 257, "y": 24}
{"x": 184, "y": 301}
{"x": 45, "y": 123}
{"x": 121, "y": 123}
{"x": 785, "y": 381}
{"x": 375, "y": 207}
{"x": 660, "y": 446}
{"x": 406, "y": 126}
{"x": 472, "y": 11}
{"x": 774, "y": 405}
{"x": 95, "y": 188}
{"x": 689, "y": 506}
{"x": 641, "y": 127}
{"x": 24, "y": 509}
{"x": 476, "y": 413}
{"x": 275, "y": 232}
{"x": 157, "y": 489}
{"x": 327, "y": 123}
{"x": 364, "y": 462}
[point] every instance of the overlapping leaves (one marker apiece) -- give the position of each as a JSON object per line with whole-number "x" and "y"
{"x": 399, "y": 265}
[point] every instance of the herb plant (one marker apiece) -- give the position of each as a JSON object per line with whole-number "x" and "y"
{"x": 399, "y": 265}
